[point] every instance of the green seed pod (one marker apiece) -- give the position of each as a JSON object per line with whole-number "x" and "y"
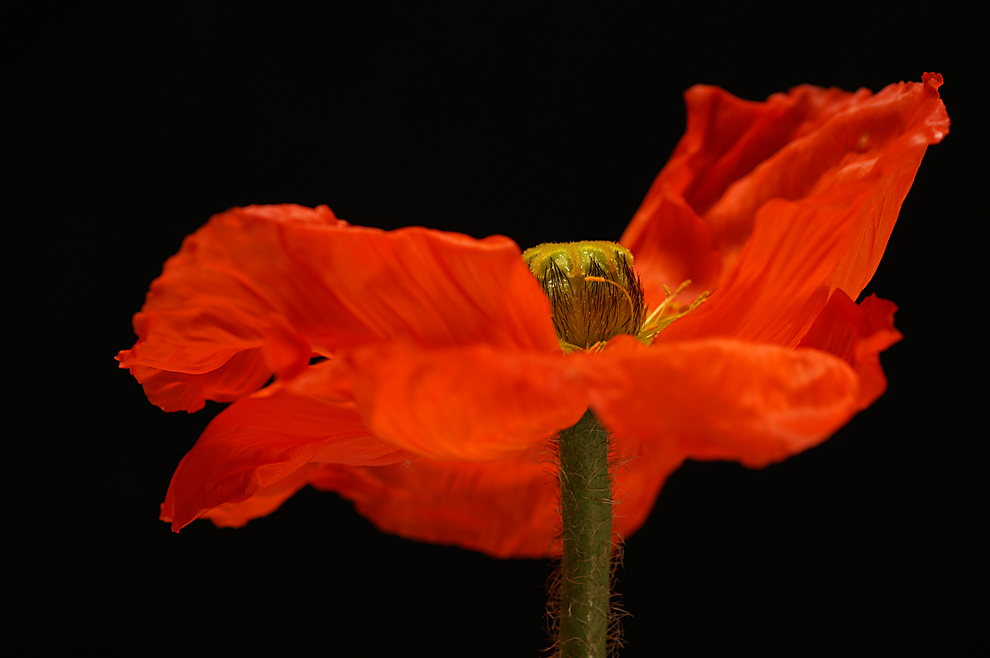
{"x": 594, "y": 293}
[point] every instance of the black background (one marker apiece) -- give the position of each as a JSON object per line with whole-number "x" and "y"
{"x": 131, "y": 130}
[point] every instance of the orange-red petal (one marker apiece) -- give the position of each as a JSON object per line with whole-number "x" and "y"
{"x": 721, "y": 398}
{"x": 262, "y": 502}
{"x": 640, "y": 471}
{"x": 258, "y": 289}
{"x": 877, "y": 140}
{"x": 242, "y": 461}
{"x": 778, "y": 286}
{"x": 857, "y": 334}
{"x": 472, "y": 403}
{"x": 927, "y": 122}
{"x": 505, "y": 508}
{"x": 672, "y": 244}
{"x": 800, "y": 195}
{"x": 726, "y": 137}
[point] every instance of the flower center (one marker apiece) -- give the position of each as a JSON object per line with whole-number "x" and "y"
{"x": 594, "y": 293}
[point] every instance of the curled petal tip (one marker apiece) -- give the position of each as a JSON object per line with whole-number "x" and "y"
{"x": 934, "y": 80}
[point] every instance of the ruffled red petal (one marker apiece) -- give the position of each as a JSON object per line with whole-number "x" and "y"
{"x": 473, "y": 403}
{"x": 672, "y": 244}
{"x": 505, "y": 508}
{"x": 721, "y": 398}
{"x": 258, "y": 289}
{"x": 778, "y": 286}
{"x": 821, "y": 211}
{"x": 857, "y": 335}
{"x": 262, "y": 502}
{"x": 726, "y": 138}
{"x": 242, "y": 461}
{"x": 920, "y": 118}
{"x": 876, "y": 140}
{"x": 641, "y": 468}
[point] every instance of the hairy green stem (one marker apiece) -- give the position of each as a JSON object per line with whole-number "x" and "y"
{"x": 586, "y": 514}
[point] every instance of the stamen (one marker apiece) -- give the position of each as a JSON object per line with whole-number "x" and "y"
{"x": 665, "y": 313}
{"x": 624, "y": 291}
{"x": 667, "y": 295}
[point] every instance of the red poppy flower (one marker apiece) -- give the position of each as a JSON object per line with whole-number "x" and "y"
{"x": 444, "y": 378}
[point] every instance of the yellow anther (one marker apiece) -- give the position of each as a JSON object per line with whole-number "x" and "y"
{"x": 666, "y": 312}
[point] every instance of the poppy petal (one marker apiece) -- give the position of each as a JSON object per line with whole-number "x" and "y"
{"x": 876, "y": 139}
{"x": 927, "y": 123}
{"x": 262, "y": 502}
{"x": 721, "y": 398}
{"x": 671, "y": 244}
{"x": 243, "y": 372}
{"x": 778, "y": 286}
{"x": 641, "y": 468}
{"x": 844, "y": 199}
{"x": 505, "y": 508}
{"x": 257, "y": 290}
{"x": 857, "y": 335}
{"x": 258, "y": 442}
{"x": 472, "y": 403}
{"x": 800, "y": 194}
{"x": 726, "y": 137}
